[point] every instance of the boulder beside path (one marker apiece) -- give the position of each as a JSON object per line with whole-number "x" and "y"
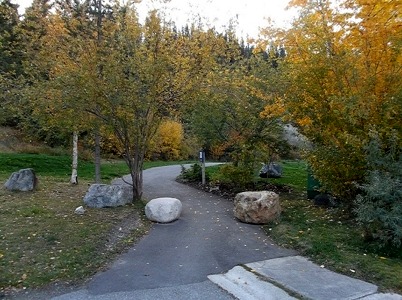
{"x": 23, "y": 180}
{"x": 163, "y": 210}
{"x": 257, "y": 207}
{"x": 104, "y": 195}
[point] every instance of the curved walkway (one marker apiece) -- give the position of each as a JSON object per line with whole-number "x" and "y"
{"x": 205, "y": 240}
{"x": 174, "y": 260}
{"x": 180, "y": 255}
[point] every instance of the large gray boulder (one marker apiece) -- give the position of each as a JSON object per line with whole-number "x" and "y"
{"x": 271, "y": 170}
{"x": 163, "y": 210}
{"x": 257, "y": 207}
{"x": 294, "y": 138}
{"x": 104, "y": 195}
{"x": 23, "y": 180}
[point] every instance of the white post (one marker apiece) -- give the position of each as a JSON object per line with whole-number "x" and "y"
{"x": 74, "y": 174}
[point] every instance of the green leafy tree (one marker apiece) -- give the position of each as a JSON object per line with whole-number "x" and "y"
{"x": 130, "y": 78}
{"x": 342, "y": 82}
{"x": 10, "y": 63}
{"x": 147, "y": 76}
{"x": 228, "y": 118}
{"x": 10, "y": 56}
{"x": 31, "y": 31}
{"x": 73, "y": 28}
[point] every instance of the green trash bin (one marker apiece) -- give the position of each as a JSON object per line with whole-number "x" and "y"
{"x": 313, "y": 185}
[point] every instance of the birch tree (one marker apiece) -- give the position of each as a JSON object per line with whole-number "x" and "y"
{"x": 74, "y": 172}
{"x": 53, "y": 102}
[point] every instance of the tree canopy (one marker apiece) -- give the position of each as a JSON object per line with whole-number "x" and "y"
{"x": 126, "y": 76}
{"x": 343, "y": 66}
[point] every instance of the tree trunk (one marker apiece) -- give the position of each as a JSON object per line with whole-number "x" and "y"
{"x": 136, "y": 177}
{"x": 74, "y": 174}
{"x": 97, "y": 157}
{"x": 100, "y": 67}
{"x": 135, "y": 164}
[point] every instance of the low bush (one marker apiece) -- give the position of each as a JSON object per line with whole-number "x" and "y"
{"x": 238, "y": 176}
{"x": 192, "y": 174}
{"x": 379, "y": 206}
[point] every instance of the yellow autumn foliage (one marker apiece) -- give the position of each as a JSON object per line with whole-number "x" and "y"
{"x": 275, "y": 109}
{"x": 343, "y": 66}
{"x": 168, "y": 141}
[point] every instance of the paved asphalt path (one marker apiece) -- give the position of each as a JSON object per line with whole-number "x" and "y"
{"x": 205, "y": 240}
{"x": 174, "y": 259}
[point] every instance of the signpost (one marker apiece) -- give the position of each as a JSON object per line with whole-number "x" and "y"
{"x": 202, "y": 161}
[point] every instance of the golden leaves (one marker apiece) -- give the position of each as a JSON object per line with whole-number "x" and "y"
{"x": 296, "y": 3}
{"x": 168, "y": 140}
{"x": 304, "y": 122}
{"x": 274, "y": 110}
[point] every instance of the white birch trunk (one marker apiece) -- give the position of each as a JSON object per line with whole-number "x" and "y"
{"x": 74, "y": 174}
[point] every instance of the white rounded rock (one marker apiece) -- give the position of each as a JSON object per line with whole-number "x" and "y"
{"x": 79, "y": 210}
{"x": 163, "y": 210}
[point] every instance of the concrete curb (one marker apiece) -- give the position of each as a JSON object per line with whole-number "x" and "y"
{"x": 245, "y": 285}
{"x": 294, "y": 277}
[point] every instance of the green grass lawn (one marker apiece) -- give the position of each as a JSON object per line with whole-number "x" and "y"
{"x": 294, "y": 175}
{"x": 60, "y": 166}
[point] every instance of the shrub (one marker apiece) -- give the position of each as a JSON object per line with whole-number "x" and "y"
{"x": 238, "y": 176}
{"x": 192, "y": 174}
{"x": 338, "y": 169}
{"x": 379, "y": 206}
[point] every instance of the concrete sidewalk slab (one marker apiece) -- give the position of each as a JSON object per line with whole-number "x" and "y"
{"x": 245, "y": 285}
{"x": 298, "y": 274}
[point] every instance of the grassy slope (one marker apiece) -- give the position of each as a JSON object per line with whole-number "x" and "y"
{"x": 60, "y": 166}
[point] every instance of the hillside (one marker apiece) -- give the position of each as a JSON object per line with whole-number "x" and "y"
{"x": 12, "y": 140}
